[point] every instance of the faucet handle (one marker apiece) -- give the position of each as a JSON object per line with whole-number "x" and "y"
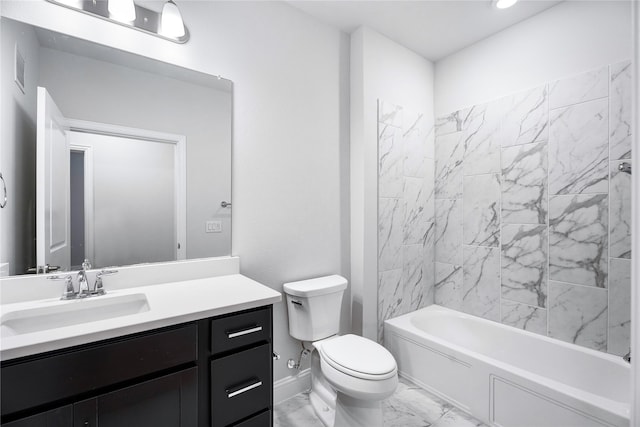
{"x": 69, "y": 292}
{"x": 98, "y": 288}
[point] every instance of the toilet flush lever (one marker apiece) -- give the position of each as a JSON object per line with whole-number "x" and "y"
{"x": 298, "y": 303}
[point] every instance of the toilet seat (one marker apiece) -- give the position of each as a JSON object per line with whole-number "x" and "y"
{"x": 358, "y": 357}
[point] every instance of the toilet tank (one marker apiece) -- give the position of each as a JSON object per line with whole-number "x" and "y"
{"x": 314, "y": 307}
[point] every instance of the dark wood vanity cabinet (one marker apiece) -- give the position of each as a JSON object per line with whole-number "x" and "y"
{"x": 212, "y": 372}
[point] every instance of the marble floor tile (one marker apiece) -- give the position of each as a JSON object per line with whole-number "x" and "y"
{"x": 409, "y": 406}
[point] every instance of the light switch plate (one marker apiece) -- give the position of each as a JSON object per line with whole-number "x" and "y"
{"x": 213, "y": 227}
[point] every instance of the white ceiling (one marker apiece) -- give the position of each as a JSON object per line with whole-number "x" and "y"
{"x": 433, "y": 29}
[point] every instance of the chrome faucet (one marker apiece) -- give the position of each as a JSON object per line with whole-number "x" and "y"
{"x": 83, "y": 283}
{"x": 627, "y": 357}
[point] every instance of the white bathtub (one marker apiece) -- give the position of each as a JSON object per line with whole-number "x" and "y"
{"x": 508, "y": 377}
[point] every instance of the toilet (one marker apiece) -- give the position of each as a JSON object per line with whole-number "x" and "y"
{"x": 350, "y": 375}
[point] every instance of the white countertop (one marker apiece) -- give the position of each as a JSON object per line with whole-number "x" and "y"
{"x": 169, "y": 304}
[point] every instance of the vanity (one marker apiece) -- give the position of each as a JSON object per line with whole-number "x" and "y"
{"x": 195, "y": 352}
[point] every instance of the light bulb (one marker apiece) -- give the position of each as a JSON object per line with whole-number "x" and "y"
{"x": 503, "y": 4}
{"x": 171, "y": 24}
{"x": 122, "y": 10}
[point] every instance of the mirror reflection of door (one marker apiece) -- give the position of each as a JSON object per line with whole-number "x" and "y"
{"x": 107, "y": 168}
{"x": 52, "y": 185}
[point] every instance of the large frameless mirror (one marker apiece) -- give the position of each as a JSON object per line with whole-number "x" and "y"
{"x": 109, "y": 156}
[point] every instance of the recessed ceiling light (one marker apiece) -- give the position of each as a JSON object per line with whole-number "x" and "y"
{"x": 503, "y": 4}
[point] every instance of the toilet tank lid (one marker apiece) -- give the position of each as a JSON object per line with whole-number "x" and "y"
{"x": 314, "y": 287}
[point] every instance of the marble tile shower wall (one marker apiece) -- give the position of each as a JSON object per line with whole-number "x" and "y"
{"x": 405, "y": 211}
{"x": 532, "y": 216}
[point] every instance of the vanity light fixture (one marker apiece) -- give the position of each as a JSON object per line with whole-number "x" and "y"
{"x": 167, "y": 24}
{"x": 504, "y": 4}
{"x": 171, "y": 24}
{"x": 122, "y": 10}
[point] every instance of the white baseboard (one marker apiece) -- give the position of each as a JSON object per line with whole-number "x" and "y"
{"x": 288, "y": 387}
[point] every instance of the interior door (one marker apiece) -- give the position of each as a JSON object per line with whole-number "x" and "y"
{"x": 53, "y": 239}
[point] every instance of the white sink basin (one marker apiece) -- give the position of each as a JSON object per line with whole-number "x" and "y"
{"x": 74, "y": 312}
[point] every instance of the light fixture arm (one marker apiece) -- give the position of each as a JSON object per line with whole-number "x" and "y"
{"x": 146, "y": 20}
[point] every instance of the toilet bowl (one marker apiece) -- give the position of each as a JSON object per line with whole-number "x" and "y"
{"x": 350, "y": 375}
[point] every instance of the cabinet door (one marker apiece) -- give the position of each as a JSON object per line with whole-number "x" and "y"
{"x": 59, "y": 417}
{"x": 169, "y": 401}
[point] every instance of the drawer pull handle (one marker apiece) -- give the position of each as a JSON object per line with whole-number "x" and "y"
{"x": 244, "y": 332}
{"x": 231, "y": 394}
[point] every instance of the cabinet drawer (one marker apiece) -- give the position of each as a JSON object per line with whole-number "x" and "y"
{"x": 41, "y": 380}
{"x": 260, "y": 420}
{"x": 238, "y": 330}
{"x": 240, "y": 385}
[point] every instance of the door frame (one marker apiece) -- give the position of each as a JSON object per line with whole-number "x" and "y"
{"x": 180, "y": 181}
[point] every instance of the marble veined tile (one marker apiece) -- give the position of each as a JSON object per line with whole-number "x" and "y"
{"x": 524, "y": 263}
{"x": 428, "y": 267}
{"x": 390, "y": 226}
{"x": 429, "y": 188}
{"x": 482, "y": 139}
{"x": 449, "y": 123}
{"x": 413, "y": 277}
{"x": 448, "y": 174}
{"x": 583, "y": 87}
{"x": 389, "y": 114}
{"x": 448, "y": 291}
{"x": 578, "y": 239}
{"x": 448, "y": 235}
{"x": 481, "y": 217}
{"x": 578, "y": 314}
{"x": 620, "y": 211}
{"x": 620, "y": 111}
{"x": 415, "y": 132}
{"x": 526, "y": 117}
{"x": 390, "y": 161}
{"x": 390, "y": 297}
{"x": 415, "y": 214}
{"x": 522, "y": 316}
{"x": 579, "y": 148}
{"x": 619, "y": 306}
{"x": 524, "y": 184}
{"x": 410, "y": 406}
{"x": 481, "y": 282}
